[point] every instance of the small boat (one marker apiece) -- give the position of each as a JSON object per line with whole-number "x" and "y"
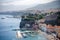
{"x": 2, "y": 18}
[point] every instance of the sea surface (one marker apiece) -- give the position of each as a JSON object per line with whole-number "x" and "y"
{"x": 8, "y": 23}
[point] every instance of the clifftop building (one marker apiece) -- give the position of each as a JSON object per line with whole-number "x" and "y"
{"x": 53, "y": 19}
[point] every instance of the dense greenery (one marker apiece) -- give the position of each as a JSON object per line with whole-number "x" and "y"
{"x": 33, "y": 16}
{"x": 37, "y": 16}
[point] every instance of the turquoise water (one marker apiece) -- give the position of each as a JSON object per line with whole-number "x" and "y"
{"x": 6, "y": 29}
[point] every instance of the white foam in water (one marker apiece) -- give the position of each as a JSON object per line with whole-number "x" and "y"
{"x": 18, "y": 34}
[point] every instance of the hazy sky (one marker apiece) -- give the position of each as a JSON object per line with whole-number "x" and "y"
{"x": 13, "y": 5}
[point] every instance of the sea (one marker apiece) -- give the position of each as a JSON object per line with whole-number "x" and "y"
{"x": 7, "y": 26}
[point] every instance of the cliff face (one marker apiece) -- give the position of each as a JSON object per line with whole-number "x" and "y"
{"x": 26, "y": 23}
